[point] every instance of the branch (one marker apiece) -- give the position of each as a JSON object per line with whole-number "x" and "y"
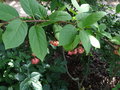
{"x": 36, "y": 20}
{"x": 112, "y": 45}
{"x": 74, "y": 79}
{"x": 8, "y": 21}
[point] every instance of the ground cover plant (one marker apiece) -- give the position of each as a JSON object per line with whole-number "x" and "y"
{"x": 74, "y": 47}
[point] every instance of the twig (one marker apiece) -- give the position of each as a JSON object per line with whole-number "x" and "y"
{"x": 9, "y": 21}
{"x": 74, "y": 79}
{"x": 114, "y": 46}
{"x": 35, "y": 20}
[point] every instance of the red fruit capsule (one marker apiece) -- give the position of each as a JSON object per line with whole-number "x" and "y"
{"x": 35, "y": 61}
{"x": 75, "y": 51}
{"x": 70, "y": 52}
{"x": 80, "y": 50}
{"x": 54, "y": 43}
{"x": 51, "y": 42}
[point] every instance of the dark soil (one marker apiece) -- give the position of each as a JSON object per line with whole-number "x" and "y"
{"x": 96, "y": 78}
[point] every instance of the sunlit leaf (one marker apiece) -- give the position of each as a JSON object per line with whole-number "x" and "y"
{"x": 94, "y": 42}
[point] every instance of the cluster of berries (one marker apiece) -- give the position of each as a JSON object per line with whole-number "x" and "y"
{"x": 34, "y": 60}
{"x": 79, "y": 50}
{"x": 54, "y": 43}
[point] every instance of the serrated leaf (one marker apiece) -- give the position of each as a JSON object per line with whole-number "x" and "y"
{"x": 93, "y": 18}
{"x": 118, "y": 8}
{"x": 15, "y": 34}
{"x": 84, "y": 37}
{"x": 42, "y": 11}
{"x": 60, "y": 16}
{"x": 7, "y": 12}
{"x": 33, "y": 8}
{"x": 30, "y": 6}
{"x": 67, "y": 35}
{"x": 94, "y": 42}
{"x": 38, "y": 41}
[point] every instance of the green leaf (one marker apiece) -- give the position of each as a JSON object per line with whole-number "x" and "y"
{"x": 42, "y": 12}
{"x": 84, "y": 37}
{"x": 94, "y": 42}
{"x": 75, "y": 4}
{"x": 108, "y": 35}
{"x": 116, "y": 40}
{"x": 25, "y": 85}
{"x": 19, "y": 77}
{"x": 36, "y": 85}
{"x": 84, "y": 8}
{"x": 33, "y": 8}
{"x": 53, "y": 4}
{"x": 93, "y": 18}
{"x": 7, "y": 12}
{"x": 118, "y": 8}
{"x": 35, "y": 76}
{"x": 102, "y": 27}
{"x": 73, "y": 44}
{"x": 33, "y": 80}
{"x": 117, "y": 87}
{"x": 38, "y": 41}
{"x": 1, "y": 31}
{"x": 80, "y": 18}
{"x": 30, "y": 6}
{"x": 15, "y": 34}
{"x": 60, "y": 16}
{"x": 67, "y": 35}
{"x": 3, "y": 88}
{"x": 57, "y": 28}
